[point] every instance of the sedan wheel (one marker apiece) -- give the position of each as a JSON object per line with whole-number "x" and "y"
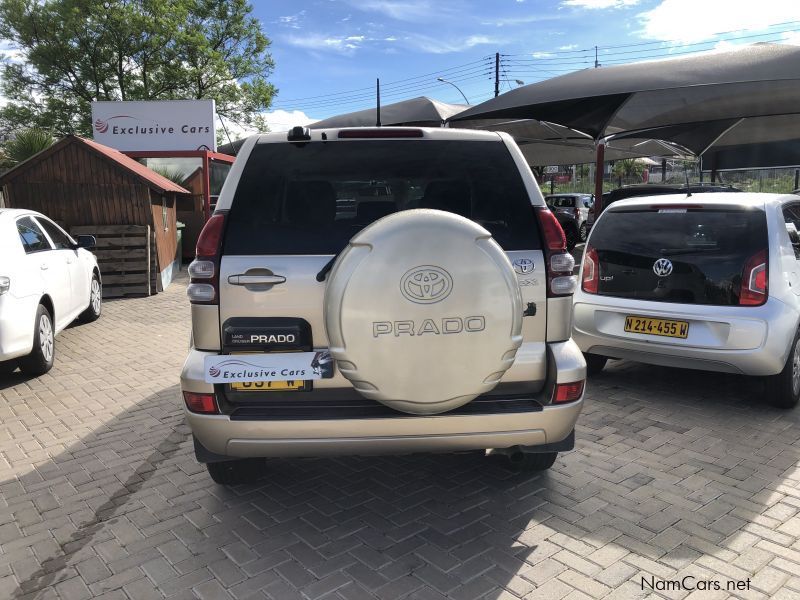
{"x": 40, "y": 360}
{"x": 783, "y": 389}
{"x": 92, "y": 312}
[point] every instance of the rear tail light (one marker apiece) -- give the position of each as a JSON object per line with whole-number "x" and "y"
{"x": 591, "y": 271}
{"x": 755, "y": 277}
{"x": 559, "y": 263}
{"x": 201, "y": 403}
{"x": 5, "y": 284}
{"x": 567, "y": 392}
{"x": 204, "y": 270}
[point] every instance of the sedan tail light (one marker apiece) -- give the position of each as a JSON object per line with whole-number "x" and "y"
{"x": 204, "y": 269}
{"x": 559, "y": 263}
{"x": 755, "y": 278}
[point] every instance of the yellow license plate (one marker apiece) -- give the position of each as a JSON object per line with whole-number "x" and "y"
{"x": 267, "y": 386}
{"x": 665, "y": 327}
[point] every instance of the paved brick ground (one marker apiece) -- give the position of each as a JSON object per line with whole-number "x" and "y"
{"x": 676, "y": 473}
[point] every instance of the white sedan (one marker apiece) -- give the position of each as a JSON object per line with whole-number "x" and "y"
{"x": 47, "y": 280}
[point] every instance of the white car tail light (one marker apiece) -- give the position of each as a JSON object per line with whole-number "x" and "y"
{"x": 755, "y": 278}
{"x": 591, "y": 271}
{"x": 560, "y": 263}
{"x": 204, "y": 270}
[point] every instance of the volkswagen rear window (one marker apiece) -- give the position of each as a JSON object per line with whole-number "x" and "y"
{"x": 312, "y": 198}
{"x": 706, "y": 249}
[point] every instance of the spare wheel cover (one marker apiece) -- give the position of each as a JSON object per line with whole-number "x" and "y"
{"x": 423, "y": 311}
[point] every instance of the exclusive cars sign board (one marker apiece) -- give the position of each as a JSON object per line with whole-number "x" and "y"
{"x": 279, "y": 366}
{"x": 155, "y": 125}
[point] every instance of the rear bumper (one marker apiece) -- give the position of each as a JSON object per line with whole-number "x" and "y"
{"x": 242, "y": 438}
{"x": 744, "y": 340}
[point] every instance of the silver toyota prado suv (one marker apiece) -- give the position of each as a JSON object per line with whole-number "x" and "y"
{"x": 378, "y": 291}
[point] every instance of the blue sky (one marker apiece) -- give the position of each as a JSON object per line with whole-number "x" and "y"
{"x": 329, "y": 52}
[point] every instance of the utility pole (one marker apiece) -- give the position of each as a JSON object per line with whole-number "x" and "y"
{"x": 596, "y": 64}
{"x": 496, "y": 74}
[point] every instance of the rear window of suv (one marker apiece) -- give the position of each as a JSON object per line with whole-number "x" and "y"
{"x": 707, "y": 248}
{"x": 312, "y": 198}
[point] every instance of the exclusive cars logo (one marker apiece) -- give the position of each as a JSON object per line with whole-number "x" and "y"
{"x": 239, "y": 368}
{"x": 662, "y": 267}
{"x": 426, "y": 284}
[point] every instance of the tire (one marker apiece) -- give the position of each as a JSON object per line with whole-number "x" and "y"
{"x": 41, "y": 358}
{"x": 594, "y": 363}
{"x": 7, "y": 367}
{"x": 582, "y": 232}
{"x": 783, "y": 389}
{"x": 92, "y": 312}
{"x": 235, "y": 472}
{"x": 532, "y": 461}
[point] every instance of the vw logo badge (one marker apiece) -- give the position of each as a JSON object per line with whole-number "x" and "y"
{"x": 426, "y": 284}
{"x": 523, "y": 266}
{"x": 662, "y": 267}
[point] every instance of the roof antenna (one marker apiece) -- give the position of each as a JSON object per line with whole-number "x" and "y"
{"x": 378, "y": 121}
{"x": 686, "y": 176}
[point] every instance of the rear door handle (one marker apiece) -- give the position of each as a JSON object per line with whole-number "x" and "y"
{"x": 256, "y": 279}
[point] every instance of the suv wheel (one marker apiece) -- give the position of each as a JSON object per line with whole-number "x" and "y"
{"x": 40, "y": 360}
{"x": 582, "y": 232}
{"x": 235, "y": 472}
{"x": 532, "y": 461}
{"x": 783, "y": 389}
{"x": 594, "y": 363}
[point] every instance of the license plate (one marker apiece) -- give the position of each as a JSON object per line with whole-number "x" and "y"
{"x": 664, "y": 327}
{"x": 267, "y": 386}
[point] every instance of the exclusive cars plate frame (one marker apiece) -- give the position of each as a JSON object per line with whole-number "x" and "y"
{"x": 656, "y": 326}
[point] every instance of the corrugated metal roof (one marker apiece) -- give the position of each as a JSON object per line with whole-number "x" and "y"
{"x": 157, "y": 180}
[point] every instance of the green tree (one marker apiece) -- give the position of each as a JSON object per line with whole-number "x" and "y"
{"x": 25, "y": 144}
{"x": 77, "y": 51}
{"x": 628, "y": 167}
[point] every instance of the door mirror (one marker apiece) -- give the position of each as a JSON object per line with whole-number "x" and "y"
{"x": 87, "y": 241}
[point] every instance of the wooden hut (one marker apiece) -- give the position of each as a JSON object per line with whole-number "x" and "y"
{"x": 90, "y": 188}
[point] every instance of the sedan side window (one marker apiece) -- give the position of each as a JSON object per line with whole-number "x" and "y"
{"x": 61, "y": 240}
{"x": 31, "y": 236}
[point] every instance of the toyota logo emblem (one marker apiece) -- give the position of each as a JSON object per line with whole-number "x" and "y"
{"x": 662, "y": 267}
{"x": 523, "y": 266}
{"x": 426, "y": 284}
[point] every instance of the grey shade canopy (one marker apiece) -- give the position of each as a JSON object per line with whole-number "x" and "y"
{"x": 702, "y": 94}
{"x": 545, "y": 144}
{"x": 422, "y": 112}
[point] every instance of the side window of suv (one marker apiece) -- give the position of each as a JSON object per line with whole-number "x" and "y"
{"x": 791, "y": 216}
{"x": 31, "y": 236}
{"x": 60, "y": 239}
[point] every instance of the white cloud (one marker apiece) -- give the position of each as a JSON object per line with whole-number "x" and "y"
{"x": 522, "y": 20}
{"x": 598, "y": 4}
{"x": 405, "y": 10}
{"x": 792, "y": 38}
{"x": 443, "y": 46}
{"x": 284, "y": 120}
{"x": 693, "y": 21}
{"x": 568, "y": 47}
{"x": 341, "y": 44}
{"x": 541, "y": 54}
{"x": 292, "y": 21}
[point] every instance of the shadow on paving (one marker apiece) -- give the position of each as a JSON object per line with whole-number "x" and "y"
{"x": 675, "y": 472}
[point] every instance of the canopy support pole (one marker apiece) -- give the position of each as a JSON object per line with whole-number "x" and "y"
{"x": 598, "y": 180}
